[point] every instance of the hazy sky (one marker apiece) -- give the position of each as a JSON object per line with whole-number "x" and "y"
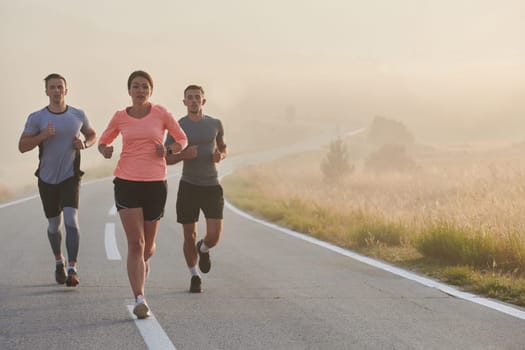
{"x": 428, "y": 63}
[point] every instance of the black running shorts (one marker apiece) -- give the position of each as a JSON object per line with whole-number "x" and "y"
{"x": 193, "y": 198}
{"x": 56, "y": 197}
{"x": 148, "y": 195}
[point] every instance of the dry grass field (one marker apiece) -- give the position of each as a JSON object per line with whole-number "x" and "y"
{"x": 457, "y": 215}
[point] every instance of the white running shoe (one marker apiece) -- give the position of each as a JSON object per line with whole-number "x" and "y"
{"x": 141, "y": 309}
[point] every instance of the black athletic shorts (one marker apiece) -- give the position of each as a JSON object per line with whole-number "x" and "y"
{"x": 148, "y": 195}
{"x": 56, "y": 197}
{"x": 192, "y": 198}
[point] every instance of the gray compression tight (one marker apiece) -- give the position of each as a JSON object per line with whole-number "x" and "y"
{"x": 72, "y": 233}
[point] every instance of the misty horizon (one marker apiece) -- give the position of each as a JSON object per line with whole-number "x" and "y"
{"x": 450, "y": 71}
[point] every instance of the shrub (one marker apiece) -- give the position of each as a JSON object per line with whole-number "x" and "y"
{"x": 383, "y": 130}
{"x": 336, "y": 164}
{"x": 388, "y": 158}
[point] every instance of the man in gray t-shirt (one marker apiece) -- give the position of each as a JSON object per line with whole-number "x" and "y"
{"x": 56, "y": 130}
{"x": 199, "y": 187}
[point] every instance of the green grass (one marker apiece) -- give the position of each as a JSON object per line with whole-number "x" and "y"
{"x": 453, "y": 245}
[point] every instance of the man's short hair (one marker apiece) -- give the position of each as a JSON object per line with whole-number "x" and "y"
{"x": 193, "y": 87}
{"x": 54, "y": 76}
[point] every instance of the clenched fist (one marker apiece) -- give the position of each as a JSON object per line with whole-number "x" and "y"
{"x": 105, "y": 150}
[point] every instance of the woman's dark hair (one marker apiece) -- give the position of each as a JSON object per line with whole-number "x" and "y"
{"x": 140, "y": 73}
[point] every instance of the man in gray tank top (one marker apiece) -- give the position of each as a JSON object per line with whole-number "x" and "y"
{"x": 199, "y": 187}
{"x": 56, "y": 130}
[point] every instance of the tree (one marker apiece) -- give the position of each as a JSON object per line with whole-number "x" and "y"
{"x": 336, "y": 164}
{"x": 390, "y": 158}
{"x": 388, "y": 131}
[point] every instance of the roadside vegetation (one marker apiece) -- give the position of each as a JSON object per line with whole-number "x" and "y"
{"x": 455, "y": 213}
{"x": 5, "y": 194}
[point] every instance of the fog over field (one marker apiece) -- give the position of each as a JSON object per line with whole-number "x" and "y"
{"x": 273, "y": 71}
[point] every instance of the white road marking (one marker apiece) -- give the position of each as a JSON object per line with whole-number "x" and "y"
{"x": 392, "y": 269}
{"x": 110, "y": 242}
{"x": 152, "y": 332}
{"x": 21, "y": 200}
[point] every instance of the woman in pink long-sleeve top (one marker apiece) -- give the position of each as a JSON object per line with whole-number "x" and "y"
{"x": 140, "y": 175}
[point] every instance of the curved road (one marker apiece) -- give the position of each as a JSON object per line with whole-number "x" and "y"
{"x": 268, "y": 289}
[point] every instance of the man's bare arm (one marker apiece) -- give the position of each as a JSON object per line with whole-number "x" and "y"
{"x": 29, "y": 141}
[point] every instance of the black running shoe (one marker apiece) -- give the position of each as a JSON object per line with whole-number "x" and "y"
{"x": 204, "y": 259}
{"x": 72, "y": 278}
{"x": 195, "y": 285}
{"x": 60, "y": 273}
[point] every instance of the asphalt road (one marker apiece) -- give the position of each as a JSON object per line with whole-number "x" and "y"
{"x": 267, "y": 290}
